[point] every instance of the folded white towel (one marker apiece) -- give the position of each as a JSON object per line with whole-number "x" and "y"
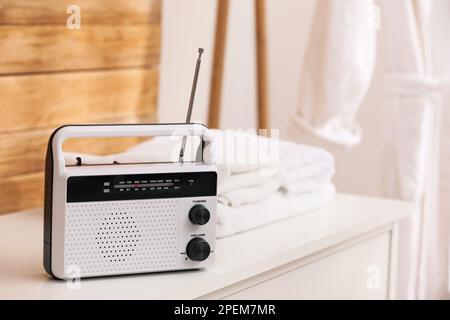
{"x": 307, "y": 172}
{"x": 243, "y": 152}
{"x": 294, "y": 156}
{"x": 251, "y": 194}
{"x": 306, "y": 179}
{"x": 274, "y": 208}
{"x": 301, "y": 168}
{"x": 239, "y": 152}
{"x": 308, "y": 185}
{"x": 243, "y": 180}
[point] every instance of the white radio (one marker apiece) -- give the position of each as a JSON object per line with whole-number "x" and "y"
{"x": 127, "y": 218}
{"x": 115, "y": 218}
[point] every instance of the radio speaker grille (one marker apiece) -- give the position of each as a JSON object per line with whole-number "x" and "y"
{"x": 121, "y": 236}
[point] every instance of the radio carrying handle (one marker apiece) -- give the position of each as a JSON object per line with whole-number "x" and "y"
{"x": 120, "y": 130}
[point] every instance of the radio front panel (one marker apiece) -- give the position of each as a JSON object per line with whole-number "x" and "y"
{"x": 136, "y": 223}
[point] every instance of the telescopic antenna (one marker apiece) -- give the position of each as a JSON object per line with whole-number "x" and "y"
{"x": 191, "y": 100}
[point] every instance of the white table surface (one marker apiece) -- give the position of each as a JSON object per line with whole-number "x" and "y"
{"x": 237, "y": 257}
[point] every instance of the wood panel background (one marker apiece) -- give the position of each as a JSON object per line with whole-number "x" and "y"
{"x": 105, "y": 72}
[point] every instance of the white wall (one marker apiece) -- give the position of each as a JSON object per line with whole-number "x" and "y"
{"x": 188, "y": 24}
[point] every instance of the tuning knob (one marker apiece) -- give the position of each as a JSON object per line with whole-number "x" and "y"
{"x": 199, "y": 214}
{"x": 198, "y": 249}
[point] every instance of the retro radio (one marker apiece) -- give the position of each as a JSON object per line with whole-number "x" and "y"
{"x": 118, "y": 218}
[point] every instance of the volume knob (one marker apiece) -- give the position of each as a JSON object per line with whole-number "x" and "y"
{"x": 199, "y": 214}
{"x": 198, "y": 249}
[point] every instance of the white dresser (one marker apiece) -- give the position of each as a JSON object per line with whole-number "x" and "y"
{"x": 346, "y": 250}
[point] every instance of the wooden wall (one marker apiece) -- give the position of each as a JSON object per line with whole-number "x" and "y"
{"x": 107, "y": 71}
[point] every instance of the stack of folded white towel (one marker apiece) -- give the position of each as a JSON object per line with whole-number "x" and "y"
{"x": 283, "y": 179}
{"x": 304, "y": 168}
{"x": 260, "y": 180}
{"x": 283, "y": 166}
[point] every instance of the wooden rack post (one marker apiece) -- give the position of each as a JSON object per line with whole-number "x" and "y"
{"x": 218, "y": 64}
{"x": 261, "y": 65}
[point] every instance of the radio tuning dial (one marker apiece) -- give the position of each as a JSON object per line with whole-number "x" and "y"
{"x": 198, "y": 249}
{"x": 199, "y": 214}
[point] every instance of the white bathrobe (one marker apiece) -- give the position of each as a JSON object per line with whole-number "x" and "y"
{"x": 418, "y": 155}
{"x": 337, "y": 72}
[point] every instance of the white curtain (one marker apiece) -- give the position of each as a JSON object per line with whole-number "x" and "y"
{"x": 337, "y": 72}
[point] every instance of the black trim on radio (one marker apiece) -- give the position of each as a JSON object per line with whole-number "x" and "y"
{"x": 141, "y": 186}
